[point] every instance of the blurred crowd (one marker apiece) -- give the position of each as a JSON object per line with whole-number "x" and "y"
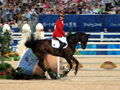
{"x": 18, "y": 12}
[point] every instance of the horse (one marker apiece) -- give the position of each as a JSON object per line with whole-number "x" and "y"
{"x": 42, "y": 47}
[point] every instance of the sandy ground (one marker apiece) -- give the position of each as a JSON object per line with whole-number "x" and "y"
{"x": 88, "y": 78}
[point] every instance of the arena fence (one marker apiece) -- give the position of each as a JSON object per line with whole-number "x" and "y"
{"x": 101, "y": 39}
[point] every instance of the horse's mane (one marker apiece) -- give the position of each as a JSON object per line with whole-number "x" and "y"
{"x": 75, "y": 36}
{"x": 79, "y": 33}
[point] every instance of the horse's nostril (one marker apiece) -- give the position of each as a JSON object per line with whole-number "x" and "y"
{"x": 83, "y": 48}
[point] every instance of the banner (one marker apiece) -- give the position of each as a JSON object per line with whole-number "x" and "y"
{"x": 83, "y": 23}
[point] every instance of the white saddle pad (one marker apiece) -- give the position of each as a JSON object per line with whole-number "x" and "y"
{"x": 56, "y": 44}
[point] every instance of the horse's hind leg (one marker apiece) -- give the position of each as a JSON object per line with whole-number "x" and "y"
{"x": 77, "y": 63}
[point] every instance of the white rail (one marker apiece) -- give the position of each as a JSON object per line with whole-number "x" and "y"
{"x": 17, "y": 36}
{"x": 102, "y": 38}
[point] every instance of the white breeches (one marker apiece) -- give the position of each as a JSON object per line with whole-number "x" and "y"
{"x": 62, "y": 39}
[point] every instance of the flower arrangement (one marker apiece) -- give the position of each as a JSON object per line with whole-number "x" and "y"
{"x": 12, "y": 56}
{"x": 5, "y": 43}
{"x": 6, "y": 71}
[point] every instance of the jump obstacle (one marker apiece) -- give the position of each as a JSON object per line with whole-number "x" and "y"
{"x": 102, "y": 41}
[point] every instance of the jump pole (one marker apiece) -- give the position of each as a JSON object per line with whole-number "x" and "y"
{"x": 58, "y": 66}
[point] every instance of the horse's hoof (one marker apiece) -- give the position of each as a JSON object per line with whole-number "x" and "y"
{"x": 66, "y": 71}
{"x": 63, "y": 75}
{"x": 57, "y": 78}
{"x": 75, "y": 73}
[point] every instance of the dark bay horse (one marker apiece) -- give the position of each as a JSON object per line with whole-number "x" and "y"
{"x": 43, "y": 47}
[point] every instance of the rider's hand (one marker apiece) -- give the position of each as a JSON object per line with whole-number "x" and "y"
{"x": 64, "y": 35}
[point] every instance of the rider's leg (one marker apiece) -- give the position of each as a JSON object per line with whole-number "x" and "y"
{"x": 62, "y": 44}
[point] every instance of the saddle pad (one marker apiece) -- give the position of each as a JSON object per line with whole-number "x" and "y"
{"x": 55, "y": 43}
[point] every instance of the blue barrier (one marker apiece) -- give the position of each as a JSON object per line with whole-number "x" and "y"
{"x": 105, "y": 46}
{"x": 28, "y": 62}
{"x": 83, "y": 23}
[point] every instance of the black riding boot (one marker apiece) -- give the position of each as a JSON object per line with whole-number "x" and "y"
{"x": 62, "y": 45}
{"x": 59, "y": 51}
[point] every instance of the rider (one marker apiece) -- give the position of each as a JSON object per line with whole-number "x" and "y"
{"x": 59, "y": 33}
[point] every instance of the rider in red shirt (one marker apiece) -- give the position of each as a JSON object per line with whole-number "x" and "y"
{"x": 59, "y": 32}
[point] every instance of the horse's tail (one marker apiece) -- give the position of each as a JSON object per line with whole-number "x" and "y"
{"x": 30, "y": 42}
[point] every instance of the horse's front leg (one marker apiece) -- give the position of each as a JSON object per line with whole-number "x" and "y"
{"x": 70, "y": 63}
{"x": 41, "y": 64}
{"x": 77, "y": 63}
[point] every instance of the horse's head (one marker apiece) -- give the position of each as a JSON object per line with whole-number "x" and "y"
{"x": 84, "y": 39}
{"x": 78, "y": 37}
